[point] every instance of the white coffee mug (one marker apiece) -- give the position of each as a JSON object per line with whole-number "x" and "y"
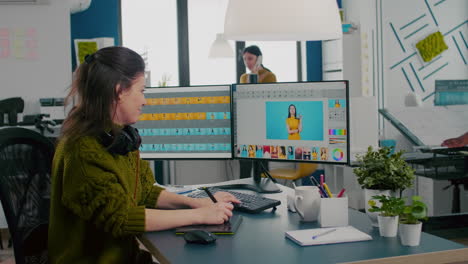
{"x": 307, "y": 202}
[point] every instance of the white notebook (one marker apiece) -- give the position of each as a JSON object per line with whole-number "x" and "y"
{"x": 329, "y": 235}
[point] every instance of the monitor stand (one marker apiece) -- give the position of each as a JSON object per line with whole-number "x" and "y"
{"x": 256, "y": 183}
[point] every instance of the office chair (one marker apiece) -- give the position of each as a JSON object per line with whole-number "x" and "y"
{"x": 25, "y": 166}
{"x": 293, "y": 174}
{"x": 11, "y": 106}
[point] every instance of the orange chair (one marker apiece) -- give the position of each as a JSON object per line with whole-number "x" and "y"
{"x": 290, "y": 175}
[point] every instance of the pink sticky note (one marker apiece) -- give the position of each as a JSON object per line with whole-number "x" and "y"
{"x": 31, "y": 43}
{"x": 31, "y": 32}
{"x": 4, "y": 33}
{"x": 4, "y": 52}
{"x": 32, "y": 55}
{"x": 4, "y": 43}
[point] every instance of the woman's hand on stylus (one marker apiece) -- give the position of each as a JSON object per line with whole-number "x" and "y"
{"x": 215, "y": 214}
{"x": 222, "y": 197}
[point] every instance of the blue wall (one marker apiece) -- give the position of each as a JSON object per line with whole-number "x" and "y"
{"x": 314, "y": 60}
{"x": 101, "y": 19}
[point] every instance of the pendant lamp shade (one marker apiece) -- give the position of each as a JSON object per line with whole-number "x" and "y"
{"x": 278, "y": 20}
{"x": 220, "y": 48}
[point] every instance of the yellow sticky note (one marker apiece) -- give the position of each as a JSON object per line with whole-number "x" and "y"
{"x": 86, "y": 48}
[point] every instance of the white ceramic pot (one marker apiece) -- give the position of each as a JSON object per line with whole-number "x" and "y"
{"x": 368, "y": 196}
{"x": 410, "y": 235}
{"x": 388, "y": 225}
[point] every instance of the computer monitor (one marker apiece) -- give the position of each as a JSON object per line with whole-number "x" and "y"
{"x": 186, "y": 123}
{"x": 303, "y": 122}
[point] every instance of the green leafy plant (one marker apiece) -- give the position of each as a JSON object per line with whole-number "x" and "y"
{"x": 390, "y": 206}
{"x": 414, "y": 212}
{"x": 381, "y": 170}
{"x": 164, "y": 80}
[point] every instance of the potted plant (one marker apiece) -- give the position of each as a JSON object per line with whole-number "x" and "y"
{"x": 380, "y": 172}
{"x": 389, "y": 211}
{"x": 410, "y": 224}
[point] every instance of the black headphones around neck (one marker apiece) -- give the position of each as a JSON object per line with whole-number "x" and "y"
{"x": 126, "y": 141}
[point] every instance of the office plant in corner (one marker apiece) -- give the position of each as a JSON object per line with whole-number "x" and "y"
{"x": 410, "y": 221}
{"x": 389, "y": 211}
{"x": 379, "y": 173}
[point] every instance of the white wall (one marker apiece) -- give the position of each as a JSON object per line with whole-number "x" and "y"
{"x": 208, "y": 171}
{"x": 448, "y": 15}
{"x": 380, "y": 51}
{"x": 47, "y": 73}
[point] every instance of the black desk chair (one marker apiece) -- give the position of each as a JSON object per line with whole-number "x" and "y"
{"x": 25, "y": 167}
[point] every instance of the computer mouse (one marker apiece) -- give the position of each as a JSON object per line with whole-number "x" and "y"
{"x": 199, "y": 237}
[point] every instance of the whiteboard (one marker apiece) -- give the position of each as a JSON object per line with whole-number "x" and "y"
{"x": 38, "y": 63}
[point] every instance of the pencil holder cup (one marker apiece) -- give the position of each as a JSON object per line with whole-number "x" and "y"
{"x": 333, "y": 211}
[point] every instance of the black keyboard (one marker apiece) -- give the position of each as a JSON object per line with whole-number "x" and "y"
{"x": 251, "y": 203}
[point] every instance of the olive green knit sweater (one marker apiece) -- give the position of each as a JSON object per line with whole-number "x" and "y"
{"x": 96, "y": 210}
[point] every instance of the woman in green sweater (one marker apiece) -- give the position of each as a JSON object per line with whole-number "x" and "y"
{"x": 103, "y": 194}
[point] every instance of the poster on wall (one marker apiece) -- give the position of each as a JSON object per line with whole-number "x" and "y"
{"x": 85, "y": 47}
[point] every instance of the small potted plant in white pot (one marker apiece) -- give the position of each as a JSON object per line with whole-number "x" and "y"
{"x": 410, "y": 224}
{"x": 379, "y": 173}
{"x": 389, "y": 211}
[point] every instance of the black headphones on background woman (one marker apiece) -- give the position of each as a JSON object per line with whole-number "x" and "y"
{"x": 126, "y": 141}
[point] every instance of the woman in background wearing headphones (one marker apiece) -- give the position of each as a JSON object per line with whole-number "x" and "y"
{"x": 253, "y": 60}
{"x": 103, "y": 194}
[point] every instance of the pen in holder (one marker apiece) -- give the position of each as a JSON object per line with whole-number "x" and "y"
{"x": 333, "y": 211}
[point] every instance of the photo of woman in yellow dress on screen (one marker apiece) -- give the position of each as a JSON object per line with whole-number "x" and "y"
{"x": 251, "y": 151}
{"x": 281, "y": 152}
{"x": 293, "y": 124}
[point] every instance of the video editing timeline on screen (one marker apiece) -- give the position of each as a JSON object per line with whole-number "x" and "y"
{"x": 186, "y": 122}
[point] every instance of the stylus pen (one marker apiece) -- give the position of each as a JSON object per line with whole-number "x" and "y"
{"x": 210, "y": 195}
{"x": 324, "y": 233}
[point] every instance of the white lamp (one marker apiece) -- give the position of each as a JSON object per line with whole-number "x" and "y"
{"x": 77, "y": 6}
{"x": 282, "y": 20}
{"x": 221, "y": 48}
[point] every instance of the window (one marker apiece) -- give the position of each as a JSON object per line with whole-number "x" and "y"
{"x": 206, "y": 19}
{"x": 150, "y": 28}
{"x": 280, "y": 57}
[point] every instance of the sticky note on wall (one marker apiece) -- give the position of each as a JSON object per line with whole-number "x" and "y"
{"x": 431, "y": 46}
{"x": 86, "y": 48}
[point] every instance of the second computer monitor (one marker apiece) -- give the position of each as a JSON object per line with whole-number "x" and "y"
{"x": 186, "y": 123}
{"x": 307, "y": 121}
